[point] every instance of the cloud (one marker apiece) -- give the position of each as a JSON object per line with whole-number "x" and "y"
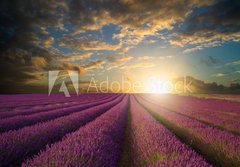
{"x": 156, "y": 16}
{"x": 212, "y": 26}
{"x": 75, "y": 56}
{"x": 220, "y": 74}
{"x": 176, "y": 42}
{"x": 209, "y": 60}
{"x": 43, "y": 30}
{"x": 70, "y": 66}
{"x": 84, "y": 43}
{"x": 81, "y": 68}
{"x": 93, "y": 65}
{"x": 48, "y": 41}
{"x": 234, "y": 63}
{"x": 236, "y": 80}
{"x": 115, "y": 61}
{"x": 38, "y": 61}
{"x": 193, "y": 49}
{"x": 145, "y": 58}
{"x": 29, "y": 28}
{"x": 136, "y": 19}
{"x": 124, "y": 62}
{"x": 138, "y": 65}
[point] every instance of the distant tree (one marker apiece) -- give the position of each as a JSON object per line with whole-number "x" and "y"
{"x": 235, "y": 86}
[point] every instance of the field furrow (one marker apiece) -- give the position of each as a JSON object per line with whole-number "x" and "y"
{"x": 219, "y": 147}
{"x": 228, "y": 122}
{"x": 21, "y": 121}
{"x": 220, "y": 108}
{"x": 11, "y": 103}
{"x": 37, "y": 109}
{"x": 96, "y": 144}
{"x": 154, "y": 145}
{"x": 16, "y": 146}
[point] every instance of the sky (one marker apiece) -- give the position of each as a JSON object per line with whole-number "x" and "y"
{"x": 134, "y": 39}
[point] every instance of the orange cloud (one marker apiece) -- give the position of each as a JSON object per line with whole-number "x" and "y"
{"x": 38, "y": 61}
{"x": 76, "y": 56}
{"x": 48, "y": 41}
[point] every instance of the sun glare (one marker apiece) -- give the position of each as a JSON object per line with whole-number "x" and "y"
{"x": 158, "y": 85}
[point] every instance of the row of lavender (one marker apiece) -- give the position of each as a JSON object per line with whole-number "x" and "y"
{"x": 226, "y": 118}
{"x": 99, "y": 143}
{"x": 43, "y": 108}
{"x": 153, "y": 145}
{"x": 21, "y": 121}
{"x": 95, "y": 134}
{"x": 222, "y": 106}
{"x": 96, "y": 144}
{"x": 28, "y": 100}
{"x": 221, "y": 147}
{"x": 9, "y": 103}
{"x": 17, "y": 145}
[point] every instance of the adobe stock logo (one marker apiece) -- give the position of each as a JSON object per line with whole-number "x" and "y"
{"x": 53, "y": 76}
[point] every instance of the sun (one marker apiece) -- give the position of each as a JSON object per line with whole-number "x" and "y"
{"x": 158, "y": 85}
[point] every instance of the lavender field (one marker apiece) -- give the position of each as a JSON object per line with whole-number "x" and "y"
{"x": 108, "y": 130}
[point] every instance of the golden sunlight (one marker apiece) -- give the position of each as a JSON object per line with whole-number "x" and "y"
{"x": 158, "y": 85}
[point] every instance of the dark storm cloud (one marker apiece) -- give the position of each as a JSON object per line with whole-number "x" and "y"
{"x": 211, "y": 25}
{"x": 21, "y": 54}
{"x": 221, "y": 17}
{"x": 22, "y": 20}
{"x": 25, "y": 55}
